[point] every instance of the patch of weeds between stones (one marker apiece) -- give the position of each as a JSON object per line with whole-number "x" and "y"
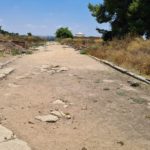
{"x": 139, "y": 100}
{"x": 121, "y": 93}
{"x": 15, "y": 52}
{"x": 83, "y": 52}
{"x": 29, "y": 52}
{"x": 97, "y": 81}
{"x": 1, "y": 54}
{"x": 121, "y": 143}
{"x": 147, "y": 116}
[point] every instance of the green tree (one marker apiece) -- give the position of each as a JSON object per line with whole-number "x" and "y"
{"x": 64, "y": 33}
{"x": 29, "y": 34}
{"x": 139, "y": 14}
{"x": 124, "y": 16}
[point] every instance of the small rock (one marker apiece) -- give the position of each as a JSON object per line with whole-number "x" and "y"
{"x": 63, "y": 69}
{"x": 26, "y": 76}
{"x": 95, "y": 101}
{"x": 108, "y": 81}
{"x": 2, "y": 76}
{"x": 55, "y": 66}
{"x": 68, "y": 117}
{"x": 106, "y": 89}
{"x": 45, "y": 67}
{"x": 63, "y": 114}
{"x": 84, "y": 108}
{"x": 47, "y": 118}
{"x": 13, "y": 85}
{"x": 57, "y": 113}
{"x": 30, "y": 122}
{"x": 121, "y": 143}
{"x": 66, "y": 106}
{"x": 58, "y": 102}
{"x": 51, "y": 72}
{"x": 134, "y": 83}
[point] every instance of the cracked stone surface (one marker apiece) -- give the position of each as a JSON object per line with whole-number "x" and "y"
{"x": 15, "y": 144}
{"x": 8, "y": 141}
{"x": 5, "y": 71}
{"x": 5, "y": 134}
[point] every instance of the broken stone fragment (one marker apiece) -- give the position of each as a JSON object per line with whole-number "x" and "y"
{"x": 13, "y": 85}
{"x": 51, "y": 72}
{"x": 5, "y": 134}
{"x": 134, "y": 83}
{"x": 68, "y": 117}
{"x": 65, "y": 106}
{"x": 47, "y": 118}
{"x": 62, "y": 69}
{"x": 57, "y": 113}
{"x": 15, "y": 144}
{"x": 6, "y": 71}
{"x": 58, "y": 102}
{"x": 2, "y": 76}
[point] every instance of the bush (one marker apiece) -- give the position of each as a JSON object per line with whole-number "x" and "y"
{"x": 64, "y": 33}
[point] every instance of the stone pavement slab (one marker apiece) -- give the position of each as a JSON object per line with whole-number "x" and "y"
{"x": 15, "y": 144}
{"x": 8, "y": 141}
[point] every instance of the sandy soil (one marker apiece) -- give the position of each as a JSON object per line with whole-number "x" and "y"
{"x": 106, "y": 112}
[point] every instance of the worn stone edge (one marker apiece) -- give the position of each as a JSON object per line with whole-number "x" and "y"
{"x": 7, "y": 63}
{"x": 5, "y": 75}
{"x": 122, "y": 70}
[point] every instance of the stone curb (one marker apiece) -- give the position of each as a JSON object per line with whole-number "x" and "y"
{"x": 5, "y": 72}
{"x": 138, "y": 77}
{"x": 2, "y": 65}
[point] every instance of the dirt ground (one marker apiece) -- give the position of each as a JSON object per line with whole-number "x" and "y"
{"x": 106, "y": 112}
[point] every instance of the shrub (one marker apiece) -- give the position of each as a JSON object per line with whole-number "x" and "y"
{"x": 64, "y": 33}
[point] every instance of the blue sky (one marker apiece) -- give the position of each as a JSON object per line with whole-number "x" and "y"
{"x": 43, "y": 17}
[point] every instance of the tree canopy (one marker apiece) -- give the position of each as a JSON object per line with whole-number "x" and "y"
{"x": 63, "y": 33}
{"x": 124, "y": 16}
{"x": 29, "y": 34}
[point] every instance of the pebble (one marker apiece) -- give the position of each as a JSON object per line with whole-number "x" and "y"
{"x": 134, "y": 83}
{"x": 58, "y": 102}
{"x": 47, "y": 118}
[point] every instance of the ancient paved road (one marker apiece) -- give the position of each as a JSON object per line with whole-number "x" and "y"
{"x": 87, "y": 104}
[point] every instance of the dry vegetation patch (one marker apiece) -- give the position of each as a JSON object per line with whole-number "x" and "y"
{"x": 14, "y": 45}
{"x": 131, "y": 52}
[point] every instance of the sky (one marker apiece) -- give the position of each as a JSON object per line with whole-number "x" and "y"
{"x": 44, "y": 17}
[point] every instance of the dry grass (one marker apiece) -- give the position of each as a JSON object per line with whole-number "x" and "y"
{"x": 30, "y": 40}
{"x": 14, "y": 45}
{"x": 132, "y": 53}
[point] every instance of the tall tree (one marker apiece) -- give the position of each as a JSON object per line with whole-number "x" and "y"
{"x": 124, "y": 16}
